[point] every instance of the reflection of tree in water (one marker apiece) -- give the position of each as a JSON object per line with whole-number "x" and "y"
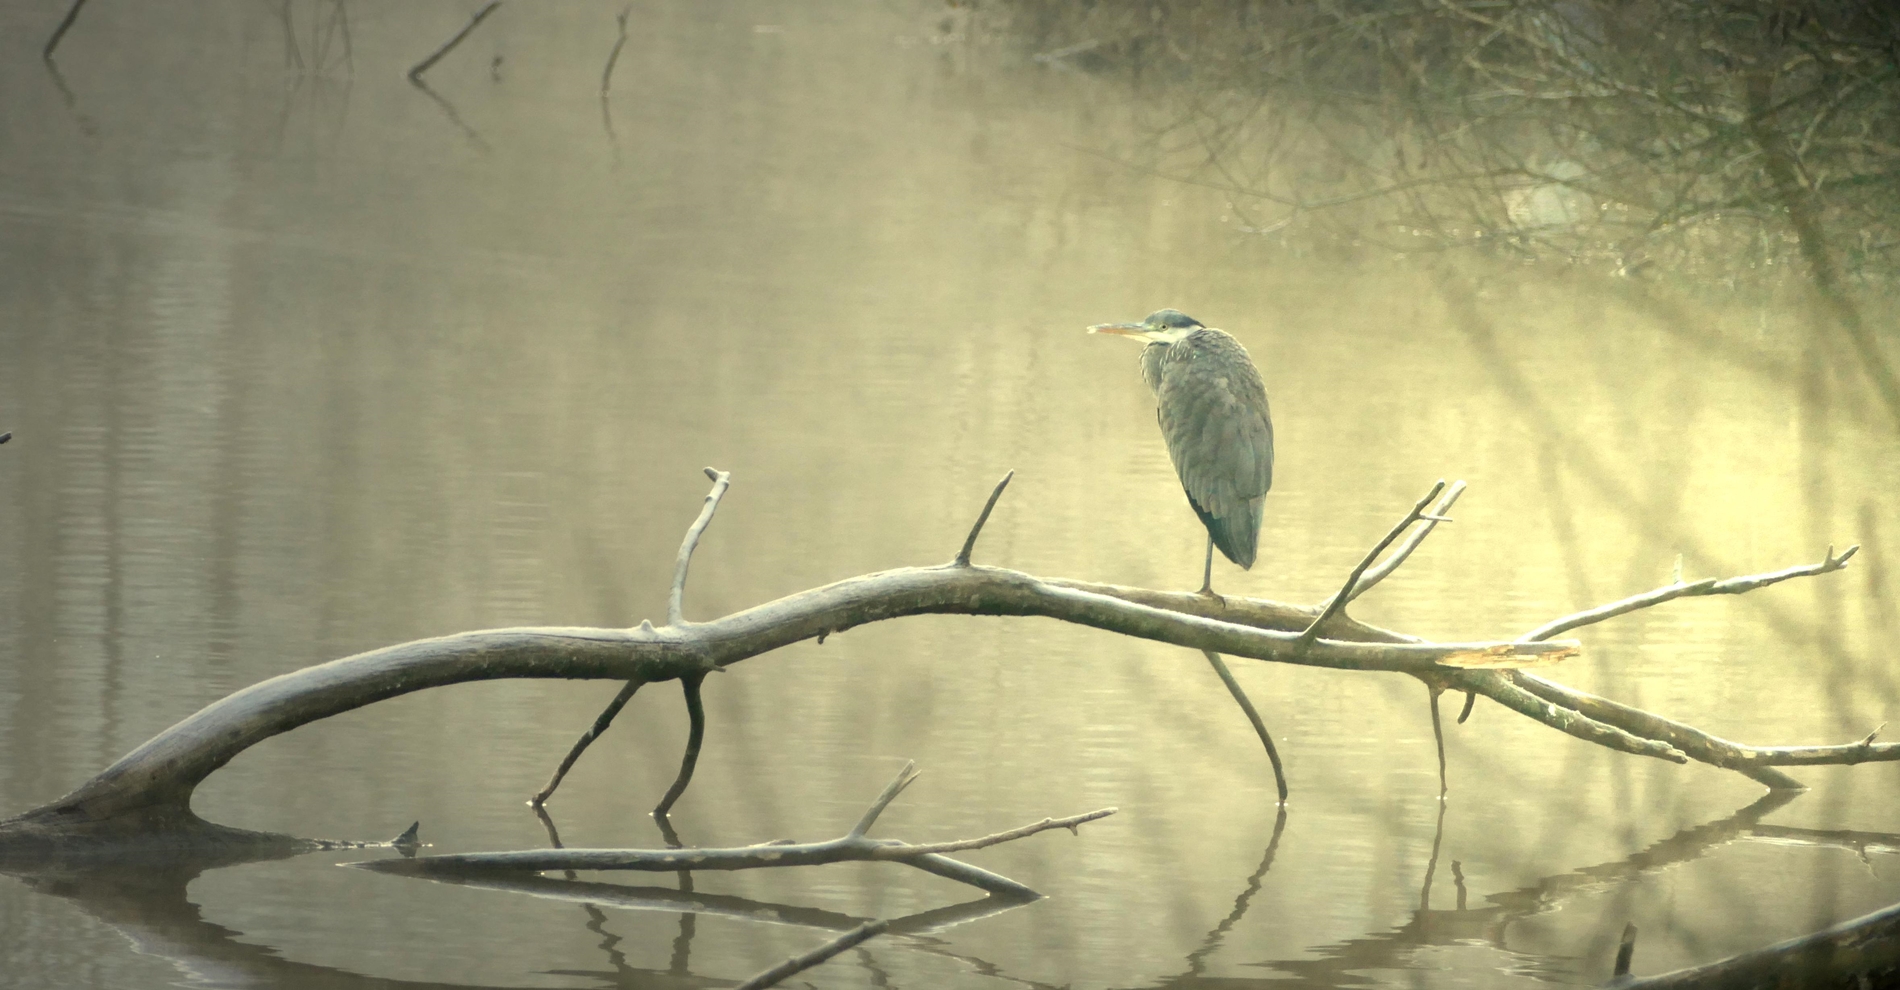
{"x": 1345, "y": 963}
{"x": 150, "y": 907}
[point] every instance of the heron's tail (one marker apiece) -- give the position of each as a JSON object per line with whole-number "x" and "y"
{"x": 1237, "y": 534}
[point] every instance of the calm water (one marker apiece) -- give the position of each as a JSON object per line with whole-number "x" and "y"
{"x": 302, "y": 361}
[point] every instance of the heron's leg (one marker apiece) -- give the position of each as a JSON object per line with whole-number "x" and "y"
{"x": 1207, "y": 575}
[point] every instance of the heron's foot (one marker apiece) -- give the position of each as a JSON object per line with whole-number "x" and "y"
{"x": 1208, "y": 590}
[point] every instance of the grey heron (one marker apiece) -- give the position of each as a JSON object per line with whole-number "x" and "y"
{"x": 1212, "y": 408}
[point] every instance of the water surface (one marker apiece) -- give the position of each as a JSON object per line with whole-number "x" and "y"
{"x": 303, "y": 361}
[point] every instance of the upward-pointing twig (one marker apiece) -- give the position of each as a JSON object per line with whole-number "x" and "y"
{"x": 969, "y": 543}
{"x": 1391, "y": 563}
{"x": 1693, "y": 589}
{"x": 415, "y": 73}
{"x": 891, "y": 790}
{"x": 721, "y": 481}
{"x": 1339, "y": 601}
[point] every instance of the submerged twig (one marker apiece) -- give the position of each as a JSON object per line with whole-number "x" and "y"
{"x": 798, "y": 964}
{"x": 601, "y": 722}
{"x": 695, "y": 734}
{"x": 1259, "y": 727}
{"x": 1438, "y": 736}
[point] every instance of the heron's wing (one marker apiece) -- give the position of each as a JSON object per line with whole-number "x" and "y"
{"x": 1213, "y": 413}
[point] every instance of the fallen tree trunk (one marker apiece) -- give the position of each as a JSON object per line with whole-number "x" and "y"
{"x": 150, "y": 788}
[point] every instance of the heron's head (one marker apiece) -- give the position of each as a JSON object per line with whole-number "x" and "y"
{"x": 1161, "y": 327}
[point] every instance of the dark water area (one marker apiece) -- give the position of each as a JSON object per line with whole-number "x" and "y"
{"x": 302, "y": 361}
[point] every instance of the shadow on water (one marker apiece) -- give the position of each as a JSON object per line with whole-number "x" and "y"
{"x": 149, "y": 905}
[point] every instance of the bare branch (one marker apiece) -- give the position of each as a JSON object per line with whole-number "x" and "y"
{"x": 1693, "y": 589}
{"x": 891, "y": 790}
{"x": 721, "y": 481}
{"x": 969, "y": 543}
{"x": 601, "y": 722}
{"x": 903, "y": 851}
{"x": 798, "y": 964}
{"x": 415, "y": 73}
{"x": 853, "y": 846}
{"x": 1438, "y": 737}
{"x": 1692, "y": 741}
{"x": 1499, "y": 687}
{"x": 1391, "y": 562}
{"x": 1345, "y": 593}
{"x": 695, "y": 734}
{"x": 1259, "y": 727}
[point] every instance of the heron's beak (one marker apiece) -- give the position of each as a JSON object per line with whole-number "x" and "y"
{"x": 1136, "y": 330}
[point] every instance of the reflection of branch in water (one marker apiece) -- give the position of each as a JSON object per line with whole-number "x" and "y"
{"x": 66, "y": 96}
{"x": 631, "y": 898}
{"x": 65, "y": 24}
{"x": 1339, "y": 964}
{"x": 448, "y": 110}
{"x": 1197, "y": 960}
{"x": 149, "y": 907}
{"x": 416, "y": 71}
{"x": 682, "y": 943}
{"x": 798, "y": 964}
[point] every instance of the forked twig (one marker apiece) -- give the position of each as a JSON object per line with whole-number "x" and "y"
{"x": 1391, "y": 562}
{"x": 1692, "y": 589}
{"x": 721, "y": 481}
{"x": 695, "y": 711}
{"x": 904, "y": 778}
{"x": 415, "y": 72}
{"x": 1339, "y": 601}
{"x": 969, "y": 543}
{"x": 798, "y": 964}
